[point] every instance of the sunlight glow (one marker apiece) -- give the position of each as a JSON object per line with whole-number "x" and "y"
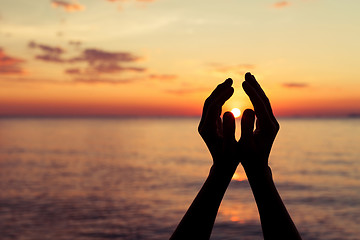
{"x": 236, "y": 112}
{"x": 239, "y": 177}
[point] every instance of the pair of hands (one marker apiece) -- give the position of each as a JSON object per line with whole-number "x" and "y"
{"x": 253, "y": 148}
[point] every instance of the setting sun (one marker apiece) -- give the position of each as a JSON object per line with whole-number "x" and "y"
{"x": 236, "y": 112}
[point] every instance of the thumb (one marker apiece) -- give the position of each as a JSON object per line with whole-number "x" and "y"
{"x": 228, "y": 128}
{"x": 247, "y": 125}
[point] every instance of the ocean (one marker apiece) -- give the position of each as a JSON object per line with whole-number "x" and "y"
{"x": 134, "y": 178}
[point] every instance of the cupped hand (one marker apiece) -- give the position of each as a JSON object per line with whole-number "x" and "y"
{"x": 218, "y": 135}
{"x": 256, "y": 145}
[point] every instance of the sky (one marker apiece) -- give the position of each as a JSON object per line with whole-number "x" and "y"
{"x": 164, "y": 57}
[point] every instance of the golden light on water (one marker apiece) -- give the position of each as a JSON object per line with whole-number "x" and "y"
{"x": 236, "y": 112}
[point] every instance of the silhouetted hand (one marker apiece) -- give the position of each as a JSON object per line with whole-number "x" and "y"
{"x": 252, "y": 150}
{"x": 255, "y": 148}
{"x": 256, "y": 145}
{"x": 219, "y": 136}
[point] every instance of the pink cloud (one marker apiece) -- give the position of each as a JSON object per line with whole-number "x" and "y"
{"x": 95, "y": 80}
{"x": 73, "y": 71}
{"x": 184, "y": 91}
{"x": 49, "y": 53}
{"x": 92, "y": 65}
{"x": 281, "y": 4}
{"x": 100, "y": 61}
{"x": 10, "y": 65}
{"x": 67, "y": 6}
{"x": 162, "y": 77}
{"x": 93, "y": 56}
{"x": 295, "y": 85}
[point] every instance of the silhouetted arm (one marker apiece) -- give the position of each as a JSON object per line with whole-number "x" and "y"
{"x": 199, "y": 219}
{"x": 219, "y": 137}
{"x": 256, "y": 146}
{"x": 275, "y": 220}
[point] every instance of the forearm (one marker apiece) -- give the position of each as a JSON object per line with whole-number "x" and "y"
{"x": 275, "y": 219}
{"x": 198, "y": 221}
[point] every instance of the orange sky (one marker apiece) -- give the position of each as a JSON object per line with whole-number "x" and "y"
{"x": 164, "y": 57}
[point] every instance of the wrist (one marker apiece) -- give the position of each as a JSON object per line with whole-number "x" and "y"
{"x": 223, "y": 171}
{"x": 259, "y": 172}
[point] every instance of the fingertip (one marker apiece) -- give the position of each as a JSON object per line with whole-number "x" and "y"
{"x": 248, "y": 76}
{"x": 228, "y": 116}
{"x": 245, "y": 85}
{"x": 229, "y": 126}
{"x": 228, "y": 82}
{"x": 249, "y": 113}
{"x": 232, "y": 90}
{"x": 247, "y": 121}
{"x": 229, "y": 92}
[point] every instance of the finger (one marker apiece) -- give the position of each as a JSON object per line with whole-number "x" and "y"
{"x": 247, "y": 124}
{"x": 251, "y": 79}
{"x": 217, "y": 91}
{"x": 214, "y": 110}
{"x": 223, "y": 97}
{"x": 211, "y": 124}
{"x": 259, "y": 106}
{"x": 219, "y": 126}
{"x": 228, "y": 128}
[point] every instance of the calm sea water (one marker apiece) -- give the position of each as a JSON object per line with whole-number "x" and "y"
{"x": 135, "y": 178}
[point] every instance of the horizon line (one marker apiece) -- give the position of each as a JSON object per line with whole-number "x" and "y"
{"x": 351, "y": 115}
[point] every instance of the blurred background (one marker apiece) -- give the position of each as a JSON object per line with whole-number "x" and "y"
{"x": 100, "y": 101}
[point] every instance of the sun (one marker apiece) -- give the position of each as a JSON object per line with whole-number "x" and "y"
{"x": 236, "y": 112}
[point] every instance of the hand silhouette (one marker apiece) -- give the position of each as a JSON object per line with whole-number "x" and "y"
{"x": 255, "y": 148}
{"x": 252, "y": 150}
{"x": 256, "y": 145}
{"x": 219, "y": 136}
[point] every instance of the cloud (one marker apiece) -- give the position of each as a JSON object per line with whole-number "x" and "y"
{"x": 93, "y": 65}
{"x": 93, "y": 56}
{"x": 87, "y": 80}
{"x": 49, "y": 53}
{"x": 162, "y": 77}
{"x": 73, "y": 71}
{"x": 10, "y": 65}
{"x": 184, "y": 91}
{"x": 94, "y": 80}
{"x": 100, "y": 61}
{"x": 295, "y": 85}
{"x": 281, "y": 4}
{"x": 67, "y": 6}
{"x": 86, "y": 77}
{"x": 239, "y": 69}
{"x": 81, "y": 76}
